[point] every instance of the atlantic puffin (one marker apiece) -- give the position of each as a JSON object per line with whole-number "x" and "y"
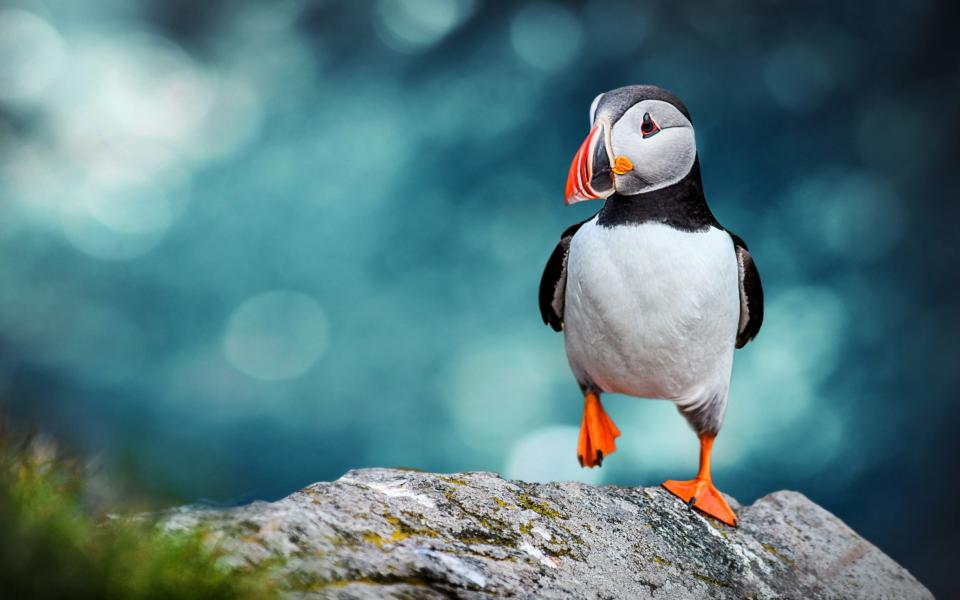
{"x": 651, "y": 293}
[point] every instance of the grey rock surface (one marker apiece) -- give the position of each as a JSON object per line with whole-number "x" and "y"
{"x": 388, "y": 533}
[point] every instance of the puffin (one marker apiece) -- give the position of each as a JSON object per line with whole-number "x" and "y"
{"x": 651, "y": 293}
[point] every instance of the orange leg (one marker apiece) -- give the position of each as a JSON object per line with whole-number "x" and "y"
{"x": 700, "y": 493}
{"x": 597, "y": 433}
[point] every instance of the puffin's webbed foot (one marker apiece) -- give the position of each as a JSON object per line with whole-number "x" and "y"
{"x": 597, "y": 433}
{"x": 700, "y": 492}
{"x": 703, "y": 496}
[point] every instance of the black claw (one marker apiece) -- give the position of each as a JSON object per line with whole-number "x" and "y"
{"x": 691, "y": 502}
{"x": 580, "y": 460}
{"x": 599, "y": 458}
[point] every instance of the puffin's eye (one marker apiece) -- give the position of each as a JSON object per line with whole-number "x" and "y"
{"x": 648, "y": 127}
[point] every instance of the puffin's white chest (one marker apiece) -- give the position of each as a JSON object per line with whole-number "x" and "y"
{"x": 652, "y": 311}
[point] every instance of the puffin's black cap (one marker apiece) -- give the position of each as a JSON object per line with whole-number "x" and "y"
{"x": 618, "y": 101}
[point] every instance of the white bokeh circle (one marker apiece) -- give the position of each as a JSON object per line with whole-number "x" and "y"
{"x": 545, "y": 36}
{"x": 276, "y": 335}
{"x": 31, "y": 55}
{"x": 414, "y": 25}
{"x": 549, "y": 454}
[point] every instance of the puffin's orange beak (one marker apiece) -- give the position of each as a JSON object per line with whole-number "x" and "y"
{"x": 590, "y": 176}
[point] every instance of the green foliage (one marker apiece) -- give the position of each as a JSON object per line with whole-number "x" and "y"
{"x": 52, "y": 546}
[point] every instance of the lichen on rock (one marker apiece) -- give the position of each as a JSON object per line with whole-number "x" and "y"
{"x": 389, "y": 533}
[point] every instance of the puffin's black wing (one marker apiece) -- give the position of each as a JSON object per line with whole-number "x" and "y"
{"x": 751, "y": 294}
{"x": 554, "y": 280}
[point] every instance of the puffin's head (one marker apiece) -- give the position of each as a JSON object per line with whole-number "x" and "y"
{"x": 641, "y": 140}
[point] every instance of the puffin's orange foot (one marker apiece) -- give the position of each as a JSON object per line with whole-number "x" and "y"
{"x": 597, "y": 433}
{"x": 702, "y": 495}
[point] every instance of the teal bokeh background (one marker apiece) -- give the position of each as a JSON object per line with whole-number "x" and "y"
{"x": 247, "y": 246}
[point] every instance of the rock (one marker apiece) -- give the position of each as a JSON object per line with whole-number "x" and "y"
{"x": 387, "y": 533}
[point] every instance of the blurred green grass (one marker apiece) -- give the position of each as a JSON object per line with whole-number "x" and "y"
{"x": 53, "y": 544}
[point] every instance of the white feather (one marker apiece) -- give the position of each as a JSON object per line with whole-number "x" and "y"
{"x": 652, "y": 311}
{"x": 593, "y": 108}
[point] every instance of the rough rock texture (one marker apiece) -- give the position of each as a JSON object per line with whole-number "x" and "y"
{"x": 386, "y": 533}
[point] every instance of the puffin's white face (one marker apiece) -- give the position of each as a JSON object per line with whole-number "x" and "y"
{"x": 649, "y": 147}
{"x": 658, "y": 141}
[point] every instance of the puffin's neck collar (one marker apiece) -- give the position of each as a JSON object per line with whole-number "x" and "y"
{"x": 681, "y": 206}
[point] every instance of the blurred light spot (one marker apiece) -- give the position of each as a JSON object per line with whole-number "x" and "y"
{"x": 120, "y": 204}
{"x": 127, "y": 109}
{"x": 136, "y": 84}
{"x": 163, "y": 96}
{"x": 811, "y": 350}
{"x": 501, "y": 388}
{"x": 93, "y": 236}
{"x": 617, "y": 28}
{"x": 799, "y": 76}
{"x": 232, "y": 121}
{"x": 133, "y": 105}
{"x": 38, "y": 180}
{"x": 851, "y": 215}
{"x": 777, "y": 382}
{"x": 31, "y": 54}
{"x": 264, "y": 45}
{"x": 284, "y": 68}
{"x": 276, "y": 335}
{"x": 549, "y": 454}
{"x": 277, "y": 19}
{"x": 414, "y": 25}
{"x": 656, "y": 438}
{"x": 117, "y": 162}
{"x": 136, "y": 210}
{"x": 545, "y": 36}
